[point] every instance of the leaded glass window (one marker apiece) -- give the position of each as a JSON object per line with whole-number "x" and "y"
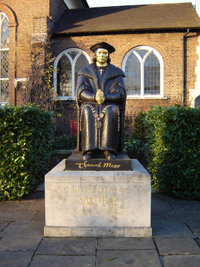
{"x": 67, "y": 65}
{"x": 64, "y": 77}
{"x": 4, "y": 60}
{"x": 143, "y": 67}
{"x": 133, "y": 69}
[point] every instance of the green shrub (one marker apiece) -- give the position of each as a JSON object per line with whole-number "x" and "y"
{"x": 173, "y": 136}
{"x": 135, "y": 148}
{"x": 26, "y": 135}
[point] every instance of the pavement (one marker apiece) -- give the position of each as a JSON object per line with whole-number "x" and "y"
{"x": 175, "y": 240}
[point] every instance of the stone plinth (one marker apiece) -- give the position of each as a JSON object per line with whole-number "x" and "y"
{"x": 98, "y": 203}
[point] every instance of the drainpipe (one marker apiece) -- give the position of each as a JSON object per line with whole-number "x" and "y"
{"x": 184, "y": 65}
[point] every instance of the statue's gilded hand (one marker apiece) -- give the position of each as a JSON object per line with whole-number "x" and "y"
{"x": 100, "y": 97}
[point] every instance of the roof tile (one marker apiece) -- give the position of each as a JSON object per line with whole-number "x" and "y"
{"x": 128, "y": 18}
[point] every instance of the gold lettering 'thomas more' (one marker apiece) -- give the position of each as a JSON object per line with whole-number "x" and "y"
{"x": 85, "y": 165}
{"x": 111, "y": 165}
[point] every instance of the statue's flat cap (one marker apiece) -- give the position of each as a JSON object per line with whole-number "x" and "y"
{"x": 104, "y": 45}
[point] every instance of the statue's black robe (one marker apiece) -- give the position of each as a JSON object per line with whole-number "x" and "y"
{"x": 100, "y": 127}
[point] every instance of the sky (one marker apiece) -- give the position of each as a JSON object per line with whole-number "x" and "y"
{"x": 101, "y": 3}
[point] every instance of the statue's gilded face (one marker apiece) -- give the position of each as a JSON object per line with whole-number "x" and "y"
{"x": 101, "y": 56}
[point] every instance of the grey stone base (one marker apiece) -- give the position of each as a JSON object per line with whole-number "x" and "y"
{"x": 97, "y": 232}
{"x": 98, "y": 203}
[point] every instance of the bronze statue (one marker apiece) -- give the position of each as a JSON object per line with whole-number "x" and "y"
{"x": 101, "y": 98}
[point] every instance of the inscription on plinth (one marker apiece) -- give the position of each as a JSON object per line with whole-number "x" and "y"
{"x": 99, "y": 165}
{"x": 93, "y": 203}
{"x": 75, "y": 162}
{"x": 101, "y": 198}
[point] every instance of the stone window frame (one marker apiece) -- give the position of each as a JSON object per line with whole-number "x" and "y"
{"x": 4, "y": 49}
{"x": 4, "y": 8}
{"x": 142, "y": 61}
{"x": 73, "y": 64}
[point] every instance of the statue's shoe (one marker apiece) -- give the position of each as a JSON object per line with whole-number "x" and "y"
{"x": 109, "y": 155}
{"x": 87, "y": 155}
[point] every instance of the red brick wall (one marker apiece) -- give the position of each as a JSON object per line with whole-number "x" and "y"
{"x": 30, "y": 17}
{"x": 170, "y": 47}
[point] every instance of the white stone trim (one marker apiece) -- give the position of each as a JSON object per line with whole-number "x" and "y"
{"x": 19, "y": 80}
{"x": 195, "y": 92}
{"x": 39, "y": 38}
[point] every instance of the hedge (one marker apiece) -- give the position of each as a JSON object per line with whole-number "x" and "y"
{"x": 173, "y": 136}
{"x": 26, "y": 135}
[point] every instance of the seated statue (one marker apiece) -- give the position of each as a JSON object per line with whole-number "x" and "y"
{"x": 101, "y": 98}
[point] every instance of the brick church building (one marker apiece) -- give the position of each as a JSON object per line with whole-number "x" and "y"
{"x": 157, "y": 46}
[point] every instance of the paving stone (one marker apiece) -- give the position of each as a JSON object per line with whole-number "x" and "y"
{"x": 196, "y": 231}
{"x": 179, "y": 207}
{"x": 159, "y": 205}
{"x": 39, "y": 217}
{"x": 19, "y": 242}
{"x": 138, "y": 258}
{"x": 68, "y": 246}
{"x": 177, "y": 246}
{"x": 23, "y": 229}
{"x": 18, "y": 216}
{"x": 162, "y": 199}
{"x": 17, "y": 205}
{"x": 187, "y": 205}
{"x": 21, "y": 210}
{"x": 15, "y": 258}
{"x": 63, "y": 261}
{"x": 184, "y": 215}
{"x": 198, "y": 242}
{"x": 182, "y": 261}
{"x": 37, "y": 205}
{"x": 194, "y": 224}
{"x": 125, "y": 243}
{"x": 174, "y": 209}
{"x": 3, "y": 225}
{"x": 163, "y": 228}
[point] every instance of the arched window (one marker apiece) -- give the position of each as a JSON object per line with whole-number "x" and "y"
{"x": 4, "y": 60}
{"x": 66, "y": 66}
{"x": 143, "y": 67}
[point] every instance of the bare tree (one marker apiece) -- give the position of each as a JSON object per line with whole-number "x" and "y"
{"x": 39, "y": 86}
